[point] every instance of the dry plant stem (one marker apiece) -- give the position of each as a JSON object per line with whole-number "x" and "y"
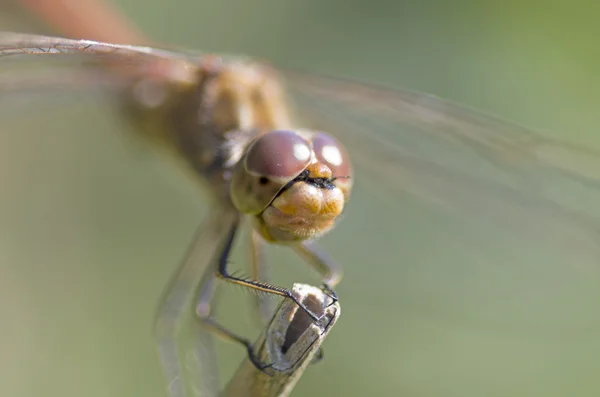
{"x": 289, "y": 344}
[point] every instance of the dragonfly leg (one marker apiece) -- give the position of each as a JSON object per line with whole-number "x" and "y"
{"x": 324, "y": 264}
{"x": 253, "y": 284}
{"x": 205, "y": 305}
{"x": 260, "y": 271}
{"x": 206, "y": 302}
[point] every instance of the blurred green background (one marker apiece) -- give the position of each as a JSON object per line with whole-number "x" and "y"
{"x": 91, "y": 227}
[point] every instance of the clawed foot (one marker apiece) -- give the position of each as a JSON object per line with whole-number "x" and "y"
{"x": 262, "y": 367}
{"x": 331, "y": 294}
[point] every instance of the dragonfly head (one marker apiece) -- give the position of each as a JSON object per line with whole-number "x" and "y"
{"x": 294, "y": 184}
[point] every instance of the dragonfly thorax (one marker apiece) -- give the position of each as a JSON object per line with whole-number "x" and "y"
{"x": 232, "y": 127}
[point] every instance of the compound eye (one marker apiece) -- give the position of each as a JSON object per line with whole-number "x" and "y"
{"x": 333, "y": 154}
{"x": 278, "y": 155}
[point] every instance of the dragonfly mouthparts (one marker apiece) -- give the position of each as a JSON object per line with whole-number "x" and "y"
{"x": 320, "y": 182}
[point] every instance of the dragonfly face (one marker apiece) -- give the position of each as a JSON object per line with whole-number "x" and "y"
{"x": 294, "y": 183}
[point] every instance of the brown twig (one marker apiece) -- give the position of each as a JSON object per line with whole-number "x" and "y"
{"x": 289, "y": 344}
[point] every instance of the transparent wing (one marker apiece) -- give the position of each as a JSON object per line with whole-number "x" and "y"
{"x": 409, "y": 138}
{"x": 479, "y": 240}
{"x": 190, "y": 364}
{"x": 37, "y": 63}
{"x": 44, "y": 65}
{"x": 12, "y": 44}
{"x": 446, "y": 123}
{"x": 451, "y": 200}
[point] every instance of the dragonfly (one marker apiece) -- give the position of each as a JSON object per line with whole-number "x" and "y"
{"x": 279, "y": 150}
